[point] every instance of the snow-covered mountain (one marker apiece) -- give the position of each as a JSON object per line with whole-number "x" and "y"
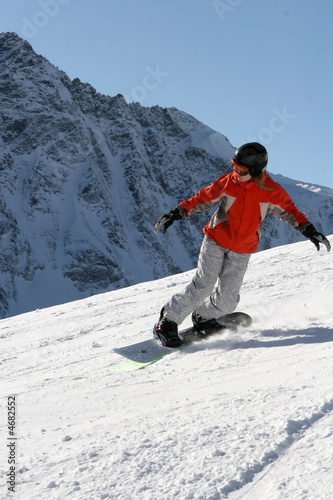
{"x": 84, "y": 177}
{"x": 242, "y": 415}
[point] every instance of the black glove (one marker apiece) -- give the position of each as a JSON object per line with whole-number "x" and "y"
{"x": 310, "y": 232}
{"x": 166, "y": 220}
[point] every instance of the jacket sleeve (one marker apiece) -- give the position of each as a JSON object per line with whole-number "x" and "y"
{"x": 205, "y": 199}
{"x": 282, "y": 206}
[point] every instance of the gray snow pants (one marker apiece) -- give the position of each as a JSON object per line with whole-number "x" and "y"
{"x": 214, "y": 290}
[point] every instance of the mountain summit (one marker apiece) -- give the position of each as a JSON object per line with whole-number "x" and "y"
{"x": 83, "y": 178}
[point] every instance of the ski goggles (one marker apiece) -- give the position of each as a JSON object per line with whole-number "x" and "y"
{"x": 241, "y": 170}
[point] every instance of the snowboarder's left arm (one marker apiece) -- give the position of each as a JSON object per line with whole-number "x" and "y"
{"x": 282, "y": 206}
{"x": 309, "y": 231}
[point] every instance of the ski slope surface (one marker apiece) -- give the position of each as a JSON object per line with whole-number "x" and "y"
{"x": 245, "y": 415}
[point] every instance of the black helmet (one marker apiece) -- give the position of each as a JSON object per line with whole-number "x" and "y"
{"x": 252, "y": 155}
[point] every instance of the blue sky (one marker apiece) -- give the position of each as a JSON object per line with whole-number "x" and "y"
{"x": 250, "y": 69}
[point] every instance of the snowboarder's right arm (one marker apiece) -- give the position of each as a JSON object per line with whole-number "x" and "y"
{"x": 166, "y": 220}
{"x": 205, "y": 199}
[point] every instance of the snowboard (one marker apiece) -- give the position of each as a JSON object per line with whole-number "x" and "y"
{"x": 150, "y": 351}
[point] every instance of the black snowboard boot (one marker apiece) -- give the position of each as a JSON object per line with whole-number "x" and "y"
{"x": 166, "y": 331}
{"x": 204, "y": 326}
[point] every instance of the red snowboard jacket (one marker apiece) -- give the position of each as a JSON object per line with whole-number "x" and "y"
{"x": 243, "y": 206}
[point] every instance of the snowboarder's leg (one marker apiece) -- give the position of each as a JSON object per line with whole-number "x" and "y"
{"x": 225, "y": 297}
{"x": 166, "y": 331}
{"x": 209, "y": 268}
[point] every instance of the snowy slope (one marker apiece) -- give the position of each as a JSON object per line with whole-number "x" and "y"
{"x": 245, "y": 415}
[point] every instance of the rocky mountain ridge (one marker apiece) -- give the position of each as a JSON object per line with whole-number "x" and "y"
{"x": 84, "y": 177}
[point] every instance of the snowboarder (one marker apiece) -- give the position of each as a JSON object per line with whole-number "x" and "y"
{"x": 244, "y": 197}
